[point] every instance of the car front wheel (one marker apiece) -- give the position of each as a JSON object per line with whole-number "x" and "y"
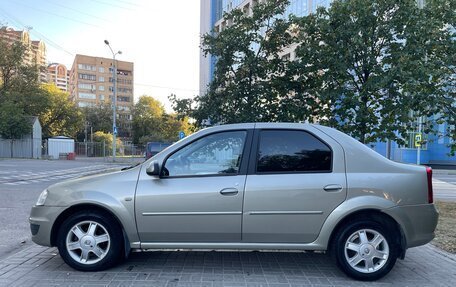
{"x": 365, "y": 250}
{"x": 90, "y": 241}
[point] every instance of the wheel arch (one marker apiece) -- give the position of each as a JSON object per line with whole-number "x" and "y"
{"x": 92, "y": 208}
{"x": 375, "y": 215}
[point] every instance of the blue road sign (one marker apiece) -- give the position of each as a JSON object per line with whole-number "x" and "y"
{"x": 115, "y": 130}
{"x": 181, "y": 135}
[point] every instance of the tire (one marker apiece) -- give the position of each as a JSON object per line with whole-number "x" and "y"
{"x": 90, "y": 241}
{"x": 366, "y": 250}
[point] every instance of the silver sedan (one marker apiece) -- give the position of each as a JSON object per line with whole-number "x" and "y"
{"x": 254, "y": 186}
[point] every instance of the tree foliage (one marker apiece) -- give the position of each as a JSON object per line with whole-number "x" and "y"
{"x": 370, "y": 63}
{"x": 250, "y": 80}
{"x": 22, "y": 95}
{"x": 151, "y": 123}
{"x": 99, "y": 117}
{"x": 13, "y": 122}
{"x": 368, "y": 68}
{"x": 61, "y": 116}
{"x": 107, "y": 138}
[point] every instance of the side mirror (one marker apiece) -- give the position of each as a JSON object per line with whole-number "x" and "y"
{"x": 153, "y": 169}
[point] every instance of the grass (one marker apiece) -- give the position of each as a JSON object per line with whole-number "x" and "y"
{"x": 445, "y": 234}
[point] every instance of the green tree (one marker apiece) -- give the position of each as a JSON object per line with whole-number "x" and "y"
{"x": 370, "y": 63}
{"x": 168, "y": 129}
{"x": 19, "y": 90}
{"x": 61, "y": 116}
{"x": 151, "y": 123}
{"x": 107, "y": 138}
{"x": 99, "y": 117}
{"x": 14, "y": 124}
{"x": 147, "y": 116}
{"x": 249, "y": 81}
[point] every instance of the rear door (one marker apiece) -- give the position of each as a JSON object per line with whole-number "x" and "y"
{"x": 296, "y": 178}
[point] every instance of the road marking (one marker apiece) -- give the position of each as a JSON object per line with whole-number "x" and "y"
{"x": 19, "y": 177}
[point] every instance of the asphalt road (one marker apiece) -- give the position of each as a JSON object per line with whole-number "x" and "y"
{"x": 444, "y": 183}
{"x": 21, "y": 182}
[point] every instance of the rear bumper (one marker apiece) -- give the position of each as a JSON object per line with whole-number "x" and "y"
{"x": 41, "y": 220}
{"x": 418, "y": 222}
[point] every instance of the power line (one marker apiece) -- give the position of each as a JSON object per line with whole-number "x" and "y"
{"x": 78, "y": 11}
{"x": 128, "y": 3}
{"x": 34, "y": 31}
{"x": 112, "y": 5}
{"x": 57, "y": 15}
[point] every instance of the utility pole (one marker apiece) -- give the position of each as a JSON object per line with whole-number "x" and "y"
{"x": 418, "y": 150}
{"x": 114, "y": 99}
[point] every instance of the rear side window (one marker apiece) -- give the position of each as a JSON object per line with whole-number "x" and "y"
{"x": 292, "y": 151}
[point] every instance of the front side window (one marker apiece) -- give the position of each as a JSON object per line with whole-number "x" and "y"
{"x": 292, "y": 151}
{"x": 216, "y": 154}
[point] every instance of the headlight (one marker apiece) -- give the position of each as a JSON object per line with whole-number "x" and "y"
{"x": 42, "y": 197}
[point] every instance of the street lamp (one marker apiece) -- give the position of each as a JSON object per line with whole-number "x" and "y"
{"x": 114, "y": 101}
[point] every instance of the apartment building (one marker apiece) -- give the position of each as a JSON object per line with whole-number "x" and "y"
{"x": 92, "y": 84}
{"x": 36, "y": 50}
{"x": 58, "y": 75}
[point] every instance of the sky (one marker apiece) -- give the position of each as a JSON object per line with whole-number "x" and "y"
{"x": 161, "y": 37}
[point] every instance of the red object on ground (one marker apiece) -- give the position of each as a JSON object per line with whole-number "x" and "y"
{"x": 71, "y": 156}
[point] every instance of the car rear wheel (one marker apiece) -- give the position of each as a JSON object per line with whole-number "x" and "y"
{"x": 90, "y": 241}
{"x": 365, "y": 250}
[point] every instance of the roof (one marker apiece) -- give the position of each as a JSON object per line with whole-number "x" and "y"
{"x": 32, "y": 119}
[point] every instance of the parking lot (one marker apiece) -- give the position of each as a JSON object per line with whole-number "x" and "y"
{"x": 23, "y": 263}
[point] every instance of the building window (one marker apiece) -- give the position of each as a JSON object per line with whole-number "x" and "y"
{"x": 87, "y": 96}
{"x": 101, "y": 88}
{"x": 101, "y": 97}
{"x": 87, "y": 67}
{"x": 123, "y": 72}
{"x": 100, "y": 79}
{"x": 87, "y": 86}
{"x": 123, "y": 99}
{"x": 85, "y": 104}
{"x": 101, "y": 69}
{"x": 87, "y": 77}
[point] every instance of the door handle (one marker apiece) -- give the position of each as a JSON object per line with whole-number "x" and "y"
{"x": 229, "y": 191}
{"x": 333, "y": 187}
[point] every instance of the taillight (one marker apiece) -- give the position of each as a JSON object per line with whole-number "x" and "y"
{"x": 429, "y": 180}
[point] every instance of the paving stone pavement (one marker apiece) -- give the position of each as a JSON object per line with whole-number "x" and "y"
{"x": 42, "y": 266}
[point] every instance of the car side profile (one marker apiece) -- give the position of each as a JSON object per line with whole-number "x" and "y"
{"x": 254, "y": 186}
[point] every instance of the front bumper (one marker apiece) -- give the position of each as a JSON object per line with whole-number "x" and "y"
{"x": 418, "y": 222}
{"x": 41, "y": 220}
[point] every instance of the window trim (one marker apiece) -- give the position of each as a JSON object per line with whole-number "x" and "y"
{"x": 252, "y": 170}
{"x": 242, "y": 166}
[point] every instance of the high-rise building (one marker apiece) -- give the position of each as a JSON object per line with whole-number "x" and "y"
{"x": 92, "y": 83}
{"x": 35, "y": 50}
{"x": 59, "y": 75}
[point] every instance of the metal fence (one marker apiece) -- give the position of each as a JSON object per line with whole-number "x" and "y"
{"x": 101, "y": 149}
{"x": 20, "y": 148}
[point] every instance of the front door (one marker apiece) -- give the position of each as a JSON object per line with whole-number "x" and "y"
{"x": 199, "y": 196}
